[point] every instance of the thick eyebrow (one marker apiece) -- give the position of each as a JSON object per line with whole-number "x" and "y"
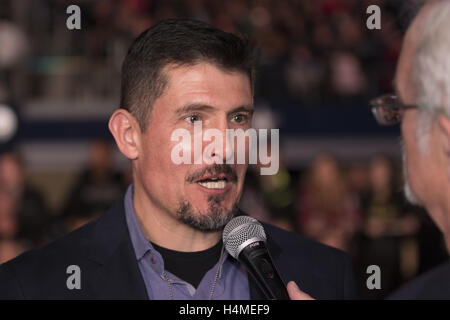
{"x": 195, "y": 107}
{"x": 246, "y": 108}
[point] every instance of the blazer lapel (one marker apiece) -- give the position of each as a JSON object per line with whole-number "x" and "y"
{"x": 117, "y": 275}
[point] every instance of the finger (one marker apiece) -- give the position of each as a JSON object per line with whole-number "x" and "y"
{"x": 295, "y": 293}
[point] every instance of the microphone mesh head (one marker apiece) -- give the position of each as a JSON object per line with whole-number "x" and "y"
{"x": 239, "y": 230}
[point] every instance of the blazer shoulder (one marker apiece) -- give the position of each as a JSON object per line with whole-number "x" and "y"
{"x": 99, "y": 252}
{"x": 297, "y": 244}
{"x": 39, "y": 267}
{"x": 10, "y": 286}
{"x": 323, "y": 271}
{"x": 107, "y": 229}
{"x": 434, "y": 284}
{"x": 68, "y": 245}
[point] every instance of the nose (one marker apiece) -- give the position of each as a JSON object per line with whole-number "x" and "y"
{"x": 220, "y": 150}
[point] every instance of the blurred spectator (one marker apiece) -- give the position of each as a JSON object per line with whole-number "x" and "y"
{"x": 278, "y": 197}
{"x": 326, "y": 210}
{"x": 10, "y": 249}
{"x": 347, "y": 78}
{"x": 269, "y": 198}
{"x": 25, "y": 201}
{"x": 304, "y": 74}
{"x": 10, "y": 246}
{"x": 9, "y": 222}
{"x": 358, "y": 180}
{"x": 384, "y": 203}
{"x": 388, "y": 230}
{"x": 96, "y": 188}
{"x": 252, "y": 201}
{"x": 312, "y": 52}
{"x": 13, "y": 51}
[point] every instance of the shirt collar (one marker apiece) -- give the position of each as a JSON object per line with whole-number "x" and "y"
{"x": 140, "y": 243}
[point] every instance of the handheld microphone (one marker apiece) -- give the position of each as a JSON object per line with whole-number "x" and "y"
{"x": 244, "y": 239}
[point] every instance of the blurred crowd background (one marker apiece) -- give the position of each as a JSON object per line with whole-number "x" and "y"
{"x": 340, "y": 179}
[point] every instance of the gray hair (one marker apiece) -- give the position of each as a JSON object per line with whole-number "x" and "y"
{"x": 431, "y": 72}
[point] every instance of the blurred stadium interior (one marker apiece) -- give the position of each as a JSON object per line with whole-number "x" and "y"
{"x": 340, "y": 181}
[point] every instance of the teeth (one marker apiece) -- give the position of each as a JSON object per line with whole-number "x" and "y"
{"x": 219, "y": 184}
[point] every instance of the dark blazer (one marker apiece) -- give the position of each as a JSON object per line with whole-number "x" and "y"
{"x": 434, "y": 284}
{"x": 109, "y": 270}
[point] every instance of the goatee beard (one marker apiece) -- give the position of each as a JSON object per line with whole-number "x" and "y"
{"x": 214, "y": 220}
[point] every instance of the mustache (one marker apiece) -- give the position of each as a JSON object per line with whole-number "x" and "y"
{"x": 213, "y": 170}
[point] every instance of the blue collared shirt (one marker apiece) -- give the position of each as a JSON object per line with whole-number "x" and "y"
{"x": 232, "y": 283}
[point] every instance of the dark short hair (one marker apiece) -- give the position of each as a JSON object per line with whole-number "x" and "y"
{"x": 178, "y": 42}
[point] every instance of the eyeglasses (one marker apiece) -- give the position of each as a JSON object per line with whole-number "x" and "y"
{"x": 388, "y": 109}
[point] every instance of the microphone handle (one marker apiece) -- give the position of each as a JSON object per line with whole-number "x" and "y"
{"x": 260, "y": 266}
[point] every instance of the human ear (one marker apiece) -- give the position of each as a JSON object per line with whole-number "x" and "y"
{"x": 126, "y": 132}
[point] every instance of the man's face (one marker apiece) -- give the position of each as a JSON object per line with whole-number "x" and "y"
{"x": 406, "y": 93}
{"x": 422, "y": 165}
{"x": 425, "y": 167}
{"x": 203, "y": 196}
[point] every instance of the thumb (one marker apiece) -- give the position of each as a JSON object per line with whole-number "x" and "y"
{"x": 295, "y": 293}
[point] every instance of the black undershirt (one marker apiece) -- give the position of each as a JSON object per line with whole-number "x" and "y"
{"x": 190, "y": 266}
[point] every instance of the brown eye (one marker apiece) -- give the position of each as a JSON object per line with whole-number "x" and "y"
{"x": 239, "y": 118}
{"x": 192, "y": 118}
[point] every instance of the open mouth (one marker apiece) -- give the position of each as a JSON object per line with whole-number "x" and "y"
{"x": 214, "y": 182}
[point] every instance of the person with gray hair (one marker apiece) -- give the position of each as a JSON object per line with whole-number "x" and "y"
{"x": 422, "y": 105}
